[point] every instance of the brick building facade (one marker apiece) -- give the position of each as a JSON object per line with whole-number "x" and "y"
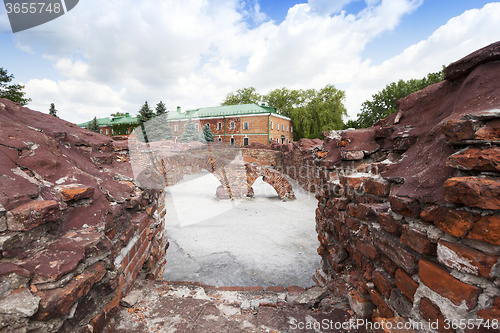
{"x": 240, "y": 125}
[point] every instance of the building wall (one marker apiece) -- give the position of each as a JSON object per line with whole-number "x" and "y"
{"x": 257, "y": 132}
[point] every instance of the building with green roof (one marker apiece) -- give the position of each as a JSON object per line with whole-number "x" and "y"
{"x": 119, "y": 125}
{"x": 239, "y": 125}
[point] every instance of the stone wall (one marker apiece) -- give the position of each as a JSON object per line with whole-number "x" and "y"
{"x": 75, "y": 227}
{"x": 409, "y": 209}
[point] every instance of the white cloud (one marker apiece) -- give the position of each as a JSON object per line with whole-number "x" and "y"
{"x": 118, "y": 53}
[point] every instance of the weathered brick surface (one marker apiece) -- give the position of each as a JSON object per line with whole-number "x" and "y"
{"x": 31, "y": 215}
{"x": 485, "y": 159}
{"x": 405, "y": 283}
{"x": 417, "y": 240}
{"x": 431, "y": 312}
{"x": 457, "y": 130}
{"x": 389, "y": 224}
{"x": 394, "y": 250}
{"x": 454, "y": 222}
{"x": 487, "y": 229}
{"x": 466, "y": 259}
{"x": 74, "y": 192}
{"x": 438, "y": 279}
{"x": 405, "y": 206}
{"x": 473, "y": 191}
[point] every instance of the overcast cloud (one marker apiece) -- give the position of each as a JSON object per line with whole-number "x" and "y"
{"x": 116, "y": 54}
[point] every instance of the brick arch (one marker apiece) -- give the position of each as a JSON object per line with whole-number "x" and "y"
{"x": 273, "y": 177}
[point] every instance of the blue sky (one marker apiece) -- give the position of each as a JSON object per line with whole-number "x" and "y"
{"x": 109, "y": 56}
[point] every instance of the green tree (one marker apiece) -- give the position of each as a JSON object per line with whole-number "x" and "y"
{"x": 158, "y": 128}
{"x": 311, "y": 111}
{"x": 12, "y": 92}
{"x": 207, "y": 133}
{"x": 145, "y": 114}
{"x": 160, "y": 108}
{"x": 383, "y": 103}
{"x": 52, "y": 110}
{"x": 118, "y": 114}
{"x": 190, "y": 133}
{"x": 242, "y": 96}
{"x": 93, "y": 126}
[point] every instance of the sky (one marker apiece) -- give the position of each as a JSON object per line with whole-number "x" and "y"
{"x": 112, "y": 56}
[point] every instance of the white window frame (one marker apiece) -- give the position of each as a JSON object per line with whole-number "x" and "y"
{"x": 232, "y": 142}
{"x": 220, "y": 139}
{"x": 272, "y": 127}
{"x": 197, "y": 126}
{"x": 283, "y": 127}
{"x": 288, "y": 128}
{"x": 219, "y": 126}
{"x": 231, "y": 125}
{"x": 176, "y": 128}
{"x": 278, "y": 126}
{"x": 246, "y": 125}
{"x": 247, "y": 141}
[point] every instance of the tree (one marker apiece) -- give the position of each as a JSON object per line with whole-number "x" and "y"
{"x": 190, "y": 133}
{"x": 383, "y": 103}
{"x": 12, "y": 92}
{"x": 145, "y": 114}
{"x": 158, "y": 128}
{"x": 93, "y": 126}
{"x": 311, "y": 111}
{"x": 118, "y": 114}
{"x": 161, "y": 108}
{"x": 52, "y": 110}
{"x": 242, "y": 96}
{"x": 207, "y": 133}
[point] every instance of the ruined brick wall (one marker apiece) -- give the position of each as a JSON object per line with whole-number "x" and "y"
{"x": 409, "y": 209}
{"x": 75, "y": 226}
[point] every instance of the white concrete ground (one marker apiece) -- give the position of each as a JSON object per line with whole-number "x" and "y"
{"x": 247, "y": 242}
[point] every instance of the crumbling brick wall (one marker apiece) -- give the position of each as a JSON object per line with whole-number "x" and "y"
{"x": 75, "y": 226}
{"x": 409, "y": 209}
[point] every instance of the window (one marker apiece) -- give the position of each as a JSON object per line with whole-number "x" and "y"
{"x": 287, "y": 128}
{"x": 208, "y": 125}
{"x": 270, "y": 139}
{"x": 291, "y": 129}
{"x": 176, "y": 129}
{"x": 278, "y": 126}
{"x": 272, "y": 125}
{"x": 245, "y": 125}
{"x": 231, "y": 125}
{"x": 245, "y": 141}
{"x": 283, "y": 127}
{"x": 232, "y": 141}
{"x": 197, "y": 126}
{"x": 220, "y": 139}
{"x": 219, "y": 126}
{"x": 175, "y": 139}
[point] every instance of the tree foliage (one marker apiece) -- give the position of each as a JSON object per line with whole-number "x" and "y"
{"x": 207, "y": 133}
{"x": 12, "y": 92}
{"x": 145, "y": 114}
{"x": 160, "y": 108}
{"x": 52, "y": 110}
{"x": 383, "y": 103}
{"x": 242, "y": 96}
{"x": 190, "y": 133}
{"x": 312, "y": 111}
{"x": 93, "y": 126}
{"x": 118, "y": 114}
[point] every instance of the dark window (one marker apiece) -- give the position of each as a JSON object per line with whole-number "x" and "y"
{"x": 245, "y": 125}
{"x": 245, "y": 141}
{"x": 231, "y": 125}
{"x": 232, "y": 141}
{"x": 219, "y": 126}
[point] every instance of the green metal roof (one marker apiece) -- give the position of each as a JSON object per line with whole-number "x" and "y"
{"x": 216, "y": 111}
{"x": 110, "y": 121}
{"x": 221, "y": 111}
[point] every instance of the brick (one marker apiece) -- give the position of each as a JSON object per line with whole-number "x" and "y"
{"x": 454, "y": 222}
{"x": 254, "y": 289}
{"x": 371, "y": 211}
{"x": 352, "y": 223}
{"x": 490, "y": 132}
{"x": 405, "y": 206}
{"x": 491, "y": 313}
{"x": 465, "y": 259}
{"x": 405, "y": 283}
{"x": 362, "y": 306}
{"x": 400, "y": 303}
{"x": 295, "y": 289}
{"x": 49, "y": 266}
{"x": 340, "y": 203}
{"x": 473, "y": 192}
{"x": 382, "y": 306}
{"x": 231, "y": 288}
{"x": 418, "y": 241}
{"x": 58, "y": 302}
{"x": 75, "y": 192}
{"x": 457, "y": 130}
{"x": 438, "y": 279}
{"x": 432, "y": 314}
{"x": 388, "y": 265}
{"x": 396, "y": 252}
{"x": 33, "y": 214}
{"x": 377, "y": 186}
{"x": 487, "y": 229}
{"x": 276, "y": 289}
{"x": 389, "y": 224}
{"x": 366, "y": 249}
{"x": 383, "y": 283}
{"x": 486, "y": 159}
